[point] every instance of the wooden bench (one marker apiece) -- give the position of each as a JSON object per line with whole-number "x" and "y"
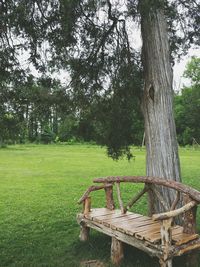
{"x": 157, "y": 235}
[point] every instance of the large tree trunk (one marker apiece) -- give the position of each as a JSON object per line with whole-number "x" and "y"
{"x": 160, "y": 133}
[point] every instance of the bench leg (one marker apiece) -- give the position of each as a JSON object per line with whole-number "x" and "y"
{"x": 117, "y": 253}
{"x": 167, "y": 263}
{"x": 84, "y": 233}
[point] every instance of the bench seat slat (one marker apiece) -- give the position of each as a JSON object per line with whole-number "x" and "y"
{"x": 104, "y": 218}
{"x": 100, "y": 212}
{"x": 130, "y": 225}
{"x": 156, "y": 237}
{"x": 142, "y": 227}
{"x": 184, "y": 238}
{"x": 134, "y": 219}
{"x": 126, "y": 218}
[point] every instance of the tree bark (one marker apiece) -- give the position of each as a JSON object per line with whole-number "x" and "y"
{"x": 117, "y": 253}
{"x": 162, "y": 158}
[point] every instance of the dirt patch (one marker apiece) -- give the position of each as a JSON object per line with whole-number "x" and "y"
{"x": 92, "y": 263}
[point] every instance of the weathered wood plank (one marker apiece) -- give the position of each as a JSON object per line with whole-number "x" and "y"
{"x": 156, "y": 237}
{"x": 154, "y": 251}
{"x": 117, "y": 219}
{"x": 148, "y": 228}
{"x": 100, "y": 212}
{"x": 128, "y": 228}
{"x": 143, "y": 236}
{"x": 105, "y": 219}
{"x": 183, "y": 238}
{"x": 108, "y": 217}
{"x": 184, "y": 248}
{"x": 130, "y": 223}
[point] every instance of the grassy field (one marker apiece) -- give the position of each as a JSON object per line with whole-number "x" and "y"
{"x": 39, "y": 189}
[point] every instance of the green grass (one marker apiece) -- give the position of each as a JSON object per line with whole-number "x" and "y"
{"x": 39, "y": 189}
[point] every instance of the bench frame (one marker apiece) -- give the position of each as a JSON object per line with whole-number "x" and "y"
{"x": 165, "y": 251}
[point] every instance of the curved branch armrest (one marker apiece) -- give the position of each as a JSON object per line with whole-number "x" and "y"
{"x": 193, "y": 193}
{"x": 174, "y": 213}
{"x": 93, "y": 188}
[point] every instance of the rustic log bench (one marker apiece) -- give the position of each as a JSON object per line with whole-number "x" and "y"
{"x": 157, "y": 235}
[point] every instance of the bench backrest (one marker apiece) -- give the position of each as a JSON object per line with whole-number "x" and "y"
{"x": 185, "y": 194}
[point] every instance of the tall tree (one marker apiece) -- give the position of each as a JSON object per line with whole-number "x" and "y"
{"x": 160, "y": 132}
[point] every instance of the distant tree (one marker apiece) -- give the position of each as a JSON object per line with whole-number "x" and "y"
{"x": 68, "y": 128}
{"x": 187, "y": 106}
{"x": 9, "y": 126}
{"x": 36, "y": 106}
{"x": 193, "y": 70}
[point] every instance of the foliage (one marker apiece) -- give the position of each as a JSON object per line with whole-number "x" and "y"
{"x": 193, "y": 70}
{"x": 39, "y": 110}
{"x": 68, "y": 128}
{"x": 43, "y": 109}
{"x": 47, "y": 136}
{"x": 9, "y": 128}
{"x": 187, "y": 110}
{"x": 187, "y": 106}
{"x": 93, "y": 41}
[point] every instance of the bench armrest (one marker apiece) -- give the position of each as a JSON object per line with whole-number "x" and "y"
{"x": 93, "y": 188}
{"x": 174, "y": 213}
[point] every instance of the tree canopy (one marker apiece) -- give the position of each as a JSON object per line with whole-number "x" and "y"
{"x": 92, "y": 40}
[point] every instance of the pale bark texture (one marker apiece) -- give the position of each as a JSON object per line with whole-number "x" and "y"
{"x": 157, "y": 103}
{"x": 117, "y": 253}
{"x": 109, "y": 198}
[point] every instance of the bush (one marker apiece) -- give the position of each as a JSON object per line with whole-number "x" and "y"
{"x": 47, "y": 136}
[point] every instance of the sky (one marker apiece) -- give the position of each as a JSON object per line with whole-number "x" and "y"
{"x": 135, "y": 38}
{"x": 179, "y": 67}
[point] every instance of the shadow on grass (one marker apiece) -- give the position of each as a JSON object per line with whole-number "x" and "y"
{"x": 98, "y": 248}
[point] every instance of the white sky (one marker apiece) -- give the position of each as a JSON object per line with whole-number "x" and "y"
{"x": 179, "y": 67}
{"x": 136, "y": 42}
{"x": 135, "y": 39}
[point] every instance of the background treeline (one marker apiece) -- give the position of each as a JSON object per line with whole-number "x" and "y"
{"x": 187, "y": 106}
{"x": 42, "y": 110}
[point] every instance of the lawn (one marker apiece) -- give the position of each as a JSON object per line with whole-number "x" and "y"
{"x": 39, "y": 189}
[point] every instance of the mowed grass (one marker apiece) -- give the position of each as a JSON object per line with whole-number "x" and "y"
{"x": 39, "y": 189}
